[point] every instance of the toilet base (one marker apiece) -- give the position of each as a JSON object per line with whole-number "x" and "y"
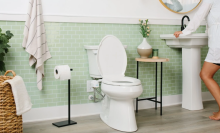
{"x": 119, "y": 114}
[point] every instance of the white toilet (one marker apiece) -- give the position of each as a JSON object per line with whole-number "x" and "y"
{"x": 117, "y": 107}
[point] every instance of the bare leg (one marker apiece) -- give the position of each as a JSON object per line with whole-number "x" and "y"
{"x": 207, "y": 74}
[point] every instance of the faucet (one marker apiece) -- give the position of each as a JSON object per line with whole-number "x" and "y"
{"x": 183, "y": 25}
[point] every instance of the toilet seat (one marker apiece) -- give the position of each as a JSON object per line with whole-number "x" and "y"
{"x": 111, "y": 57}
{"x": 121, "y": 81}
{"x": 112, "y": 62}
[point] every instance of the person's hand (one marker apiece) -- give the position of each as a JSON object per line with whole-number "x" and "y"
{"x": 177, "y": 33}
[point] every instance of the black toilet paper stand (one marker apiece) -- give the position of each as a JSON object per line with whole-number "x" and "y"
{"x": 69, "y": 121}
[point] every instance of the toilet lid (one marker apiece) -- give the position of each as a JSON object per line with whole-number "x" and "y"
{"x": 111, "y": 57}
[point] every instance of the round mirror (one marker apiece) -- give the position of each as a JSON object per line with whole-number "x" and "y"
{"x": 180, "y": 6}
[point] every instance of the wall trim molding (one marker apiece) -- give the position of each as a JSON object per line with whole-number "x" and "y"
{"x": 92, "y": 19}
{"x": 58, "y": 112}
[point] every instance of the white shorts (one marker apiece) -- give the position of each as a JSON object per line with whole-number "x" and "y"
{"x": 213, "y": 55}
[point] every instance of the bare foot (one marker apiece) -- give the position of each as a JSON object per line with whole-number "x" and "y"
{"x": 215, "y": 113}
{"x": 212, "y": 117}
{"x": 216, "y": 116}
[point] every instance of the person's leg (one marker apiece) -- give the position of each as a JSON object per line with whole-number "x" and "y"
{"x": 207, "y": 74}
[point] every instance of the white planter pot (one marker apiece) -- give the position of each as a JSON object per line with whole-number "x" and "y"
{"x": 144, "y": 49}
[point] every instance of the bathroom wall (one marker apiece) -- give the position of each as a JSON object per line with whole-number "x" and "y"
{"x": 98, "y": 8}
{"x": 66, "y": 42}
{"x": 95, "y": 11}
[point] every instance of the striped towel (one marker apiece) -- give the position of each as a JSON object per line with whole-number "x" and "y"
{"x": 35, "y": 39}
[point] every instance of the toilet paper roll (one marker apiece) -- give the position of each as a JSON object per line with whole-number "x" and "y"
{"x": 62, "y": 72}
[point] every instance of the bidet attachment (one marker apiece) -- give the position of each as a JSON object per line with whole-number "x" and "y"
{"x": 95, "y": 84}
{"x": 97, "y": 90}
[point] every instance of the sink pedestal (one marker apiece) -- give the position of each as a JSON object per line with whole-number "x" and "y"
{"x": 191, "y": 61}
{"x": 191, "y": 84}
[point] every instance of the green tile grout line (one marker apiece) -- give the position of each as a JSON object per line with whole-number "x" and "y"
{"x": 66, "y": 43}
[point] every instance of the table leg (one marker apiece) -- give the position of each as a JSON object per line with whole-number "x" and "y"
{"x": 156, "y": 88}
{"x": 137, "y": 98}
{"x": 161, "y": 86}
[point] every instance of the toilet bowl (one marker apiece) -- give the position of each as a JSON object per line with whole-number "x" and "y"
{"x": 117, "y": 107}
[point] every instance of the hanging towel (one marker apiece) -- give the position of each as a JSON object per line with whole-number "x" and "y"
{"x": 35, "y": 39}
{"x": 21, "y": 97}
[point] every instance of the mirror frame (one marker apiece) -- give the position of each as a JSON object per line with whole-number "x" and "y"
{"x": 161, "y": 1}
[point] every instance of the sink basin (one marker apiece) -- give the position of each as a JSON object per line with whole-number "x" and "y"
{"x": 191, "y": 66}
{"x": 194, "y": 40}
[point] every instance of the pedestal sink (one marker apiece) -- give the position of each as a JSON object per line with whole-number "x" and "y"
{"x": 191, "y": 62}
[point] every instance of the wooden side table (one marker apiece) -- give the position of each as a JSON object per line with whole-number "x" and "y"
{"x": 153, "y": 99}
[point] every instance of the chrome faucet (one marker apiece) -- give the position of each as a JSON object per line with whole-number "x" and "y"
{"x": 183, "y": 25}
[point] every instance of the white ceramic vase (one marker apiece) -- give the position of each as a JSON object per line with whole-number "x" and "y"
{"x": 144, "y": 49}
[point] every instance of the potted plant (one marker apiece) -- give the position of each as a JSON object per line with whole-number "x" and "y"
{"x": 144, "y": 49}
{"x": 4, "y": 40}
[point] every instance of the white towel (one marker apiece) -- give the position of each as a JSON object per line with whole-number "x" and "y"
{"x": 35, "y": 39}
{"x": 21, "y": 97}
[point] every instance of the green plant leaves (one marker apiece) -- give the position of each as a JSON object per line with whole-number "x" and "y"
{"x": 4, "y": 40}
{"x": 144, "y": 29}
{"x": 1, "y": 50}
{"x": 2, "y": 57}
{"x": 2, "y": 66}
{"x": 9, "y": 34}
{"x": 6, "y": 50}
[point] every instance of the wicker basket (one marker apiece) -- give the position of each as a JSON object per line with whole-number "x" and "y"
{"x": 9, "y": 121}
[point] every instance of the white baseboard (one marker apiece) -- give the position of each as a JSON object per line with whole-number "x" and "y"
{"x": 171, "y": 100}
{"x": 58, "y": 112}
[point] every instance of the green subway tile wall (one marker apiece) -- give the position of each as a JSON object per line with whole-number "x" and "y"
{"x": 66, "y": 43}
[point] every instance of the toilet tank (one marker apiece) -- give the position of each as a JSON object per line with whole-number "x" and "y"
{"x": 92, "y": 58}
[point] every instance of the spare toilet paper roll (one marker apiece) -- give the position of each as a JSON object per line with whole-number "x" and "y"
{"x": 62, "y": 72}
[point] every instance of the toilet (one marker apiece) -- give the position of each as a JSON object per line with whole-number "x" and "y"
{"x": 118, "y": 104}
